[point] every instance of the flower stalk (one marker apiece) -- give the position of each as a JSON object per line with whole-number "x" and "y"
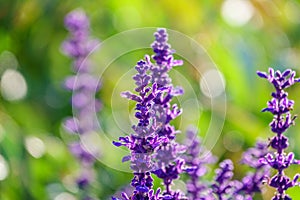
{"x": 280, "y": 106}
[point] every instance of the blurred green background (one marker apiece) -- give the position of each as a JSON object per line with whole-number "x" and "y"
{"x": 240, "y": 36}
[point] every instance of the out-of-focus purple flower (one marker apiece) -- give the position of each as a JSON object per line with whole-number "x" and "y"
{"x": 81, "y": 153}
{"x": 252, "y": 182}
{"x": 197, "y": 159}
{"x": 223, "y": 186}
{"x": 79, "y": 44}
{"x": 83, "y": 86}
{"x": 280, "y": 106}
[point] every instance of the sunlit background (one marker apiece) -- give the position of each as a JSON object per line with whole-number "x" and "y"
{"x": 240, "y": 36}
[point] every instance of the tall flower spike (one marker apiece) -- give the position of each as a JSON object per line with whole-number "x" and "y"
{"x": 280, "y": 106}
{"x": 197, "y": 158}
{"x": 169, "y": 163}
{"x": 83, "y": 85}
{"x": 144, "y": 140}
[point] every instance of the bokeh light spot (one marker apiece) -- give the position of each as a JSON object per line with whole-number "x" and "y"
{"x": 35, "y": 146}
{"x": 212, "y": 83}
{"x": 237, "y": 12}
{"x": 4, "y": 170}
{"x": 13, "y": 85}
{"x": 233, "y": 141}
{"x": 65, "y": 196}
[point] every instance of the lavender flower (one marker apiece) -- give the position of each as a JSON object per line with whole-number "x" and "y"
{"x": 163, "y": 57}
{"x": 143, "y": 142}
{"x": 83, "y": 85}
{"x": 197, "y": 157}
{"x": 252, "y": 182}
{"x": 280, "y": 106}
{"x": 79, "y": 44}
{"x": 223, "y": 186}
{"x": 172, "y": 166}
{"x": 153, "y": 136}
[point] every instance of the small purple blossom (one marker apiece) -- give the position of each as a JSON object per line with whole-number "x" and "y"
{"x": 81, "y": 153}
{"x": 280, "y": 106}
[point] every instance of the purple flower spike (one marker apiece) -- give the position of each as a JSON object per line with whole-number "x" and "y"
{"x": 168, "y": 156}
{"x": 252, "y": 182}
{"x": 197, "y": 158}
{"x": 163, "y": 57}
{"x": 152, "y": 144}
{"x": 84, "y": 85}
{"x": 143, "y": 142}
{"x": 79, "y": 44}
{"x": 223, "y": 187}
{"x": 280, "y": 106}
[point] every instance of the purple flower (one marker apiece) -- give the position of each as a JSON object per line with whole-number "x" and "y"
{"x": 144, "y": 140}
{"x": 83, "y": 86}
{"x": 153, "y": 136}
{"x": 169, "y": 167}
{"x": 280, "y": 106}
{"x": 197, "y": 158}
{"x": 252, "y": 182}
{"x": 169, "y": 173}
{"x": 223, "y": 186}
{"x": 163, "y": 57}
{"x": 79, "y": 44}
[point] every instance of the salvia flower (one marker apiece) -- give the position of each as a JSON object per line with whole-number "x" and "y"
{"x": 153, "y": 136}
{"x": 223, "y": 185}
{"x": 83, "y": 86}
{"x": 280, "y": 106}
{"x": 163, "y": 57}
{"x": 197, "y": 158}
{"x": 253, "y": 180}
{"x": 170, "y": 167}
{"x": 144, "y": 140}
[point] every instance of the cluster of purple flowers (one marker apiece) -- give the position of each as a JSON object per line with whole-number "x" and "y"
{"x": 198, "y": 158}
{"x": 83, "y": 86}
{"x": 152, "y": 144}
{"x": 154, "y": 150}
{"x": 222, "y": 187}
{"x": 280, "y": 106}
